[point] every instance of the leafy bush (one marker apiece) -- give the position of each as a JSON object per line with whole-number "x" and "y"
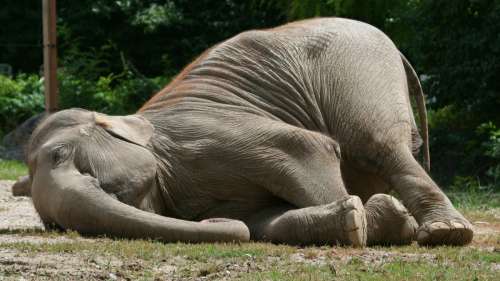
{"x": 460, "y": 151}
{"x": 22, "y": 96}
{"x": 113, "y": 94}
{"x": 456, "y": 45}
{"x": 492, "y": 149}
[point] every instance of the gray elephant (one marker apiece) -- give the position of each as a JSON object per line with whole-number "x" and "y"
{"x": 289, "y": 135}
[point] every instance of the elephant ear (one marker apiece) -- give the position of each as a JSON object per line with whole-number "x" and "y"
{"x": 132, "y": 128}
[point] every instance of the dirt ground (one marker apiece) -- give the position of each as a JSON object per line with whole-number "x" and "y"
{"x": 16, "y": 212}
{"x": 22, "y": 236}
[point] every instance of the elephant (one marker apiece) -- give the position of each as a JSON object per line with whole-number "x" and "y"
{"x": 294, "y": 134}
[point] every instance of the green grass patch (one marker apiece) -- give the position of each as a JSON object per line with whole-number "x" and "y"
{"x": 11, "y": 169}
{"x": 477, "y": 205}
{"x": 152, "y": 250}
{"x": 417, "y": 270}
{"x": 475, "y": 200}
{"x": 263, "y": 261}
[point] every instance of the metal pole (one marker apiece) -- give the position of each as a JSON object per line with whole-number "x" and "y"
{"x": 50, "y": 56}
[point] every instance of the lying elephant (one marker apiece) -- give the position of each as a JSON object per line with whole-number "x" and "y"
{"x": 277, "y": 135}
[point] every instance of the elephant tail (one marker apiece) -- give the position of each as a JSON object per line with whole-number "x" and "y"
{"x": 415, "y": 90}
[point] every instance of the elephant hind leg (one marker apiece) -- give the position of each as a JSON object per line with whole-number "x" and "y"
{"x": 440, "y": 223}
{"x": 341, "y": 222}
{"x": 362, "y": 183}
{"x": 388, "y": 221}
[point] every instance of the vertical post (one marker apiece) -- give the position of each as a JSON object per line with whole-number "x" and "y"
{"x": 50, "y": 56}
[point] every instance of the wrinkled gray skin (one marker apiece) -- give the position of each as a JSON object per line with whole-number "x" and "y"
{"x": 285, "y": 133}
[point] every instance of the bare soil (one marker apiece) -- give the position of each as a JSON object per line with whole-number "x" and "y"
{"x": 16, "y": 212}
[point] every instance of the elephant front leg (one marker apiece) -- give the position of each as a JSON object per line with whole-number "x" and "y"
{"x": 341, "y": 222}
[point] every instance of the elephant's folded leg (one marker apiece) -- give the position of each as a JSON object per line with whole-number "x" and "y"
{"x": 388, "y": 221}
{"x": 341, "y": 222}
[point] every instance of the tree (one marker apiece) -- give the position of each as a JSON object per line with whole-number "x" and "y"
{"x": 21, "y": 34}
{"x": 456, "y": 44}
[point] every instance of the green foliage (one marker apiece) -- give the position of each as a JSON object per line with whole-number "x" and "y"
{"x": 11, "y": 170}
{"x": 115, "y": 94}
{"x": 161, "y": 35}
{"x": 492, "y": 149}
{"x": 464, "y": 152}
{"x": 456, "y": 45}
{"x": 377, "y": 12}
{"x": 157, "y": 15}
{"x": 20, "y": 98}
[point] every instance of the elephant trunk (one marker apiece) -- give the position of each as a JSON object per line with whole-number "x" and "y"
{"x": 71, "y": 200}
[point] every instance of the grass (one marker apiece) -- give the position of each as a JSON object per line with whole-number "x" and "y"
{"x": 50, "y": 255}
{"x": 140, "y": 259}
{"x": 11, "y": 169}
{"x": 475, "y": 199}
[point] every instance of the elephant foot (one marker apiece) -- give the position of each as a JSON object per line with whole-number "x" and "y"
{"x": 388, "y": 221}
{"x": 355, "y": 224}
{"x": 342, "y": 222}
{"x": 22, "y": 187}
{"x": 445, "y": 232}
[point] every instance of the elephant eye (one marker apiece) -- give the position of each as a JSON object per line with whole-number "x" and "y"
{"x": 59, "y": 154}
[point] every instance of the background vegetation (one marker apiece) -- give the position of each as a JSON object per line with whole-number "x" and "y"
{"x": 115, "y": 54}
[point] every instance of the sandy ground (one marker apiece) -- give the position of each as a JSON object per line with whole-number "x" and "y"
{"x": 18, "y": 214}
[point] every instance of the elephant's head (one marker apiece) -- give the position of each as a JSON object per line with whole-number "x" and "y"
{"x": 92, "y": 172}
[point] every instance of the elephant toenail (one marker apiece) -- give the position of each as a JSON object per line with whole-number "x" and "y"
{"x": 457, "y": 225}
{"x": 438, "y": 225}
